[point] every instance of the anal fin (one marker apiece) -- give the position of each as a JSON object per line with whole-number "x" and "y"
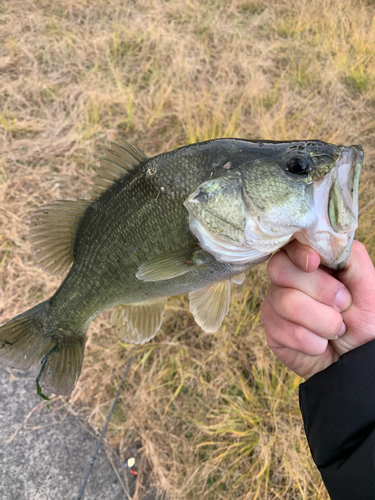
{"x": 210, "y": 305}
{"x": 138, "y": 323}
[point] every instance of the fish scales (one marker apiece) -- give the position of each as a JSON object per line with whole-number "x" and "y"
{"x": 135, "y": 220}
{"x": 187, "y": 221}
{"x": 131, "y": 223}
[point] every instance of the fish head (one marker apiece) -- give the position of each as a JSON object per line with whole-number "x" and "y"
{"x": 307, "y": 190}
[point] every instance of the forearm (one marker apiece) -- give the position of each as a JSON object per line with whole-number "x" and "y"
{"x": 338, "y": 408}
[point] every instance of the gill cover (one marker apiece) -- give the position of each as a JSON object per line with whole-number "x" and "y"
{"x": 218, "y": 216}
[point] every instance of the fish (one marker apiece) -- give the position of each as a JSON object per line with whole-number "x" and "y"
{"x": 192, "y": 220}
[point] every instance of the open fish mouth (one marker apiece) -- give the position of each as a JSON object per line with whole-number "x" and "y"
{"x": 335, "y": 200}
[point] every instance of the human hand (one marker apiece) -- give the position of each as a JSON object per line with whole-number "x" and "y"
{"x": 314, "y": 315}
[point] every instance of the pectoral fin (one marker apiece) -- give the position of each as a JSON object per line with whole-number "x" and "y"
{"x": 170, "y": 265}
{"x": 138, "y": 323}
{"x": 210, "y": 305}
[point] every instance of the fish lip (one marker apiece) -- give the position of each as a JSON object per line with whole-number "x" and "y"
{"x": 347, "y": 171}
{"x": 355, "y": 170}
{"x": 352, "y": 157}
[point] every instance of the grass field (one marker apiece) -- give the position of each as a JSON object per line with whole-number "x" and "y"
{"x": 215, "y": 415}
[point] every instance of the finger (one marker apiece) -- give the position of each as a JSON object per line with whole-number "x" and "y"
{"x": 297, "y": 307}
{"x": 298, "y": 349}
{"x": 282, "y": 333}
{"x": 319, "y": 285}
{"x": 304, "y": 257}
{"x": 359, "y": 276}
{"x": 306, "y": 366}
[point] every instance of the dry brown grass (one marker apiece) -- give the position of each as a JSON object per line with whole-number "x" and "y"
{"x": 216, "y": 415}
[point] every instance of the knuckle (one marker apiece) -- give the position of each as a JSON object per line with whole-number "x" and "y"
{"x": 272, "y": 345}
{"x": 272, "y": 293}
{"x": 289, "y": 303}
{"x": 275, "y": 268}
{"x": 320, "y": 287}
{"x": 299, "y": 310}
{"x": 273, "y": 324}
{"x": 299, "y": 335}
{"x": 307, "y": 342}
{"x": 326, "y": 289}
{"x": 333, "y": 323}
{"x": 265, "y": 311}
{"x": 274, "y": 334}
{"x": 317, "y": 347}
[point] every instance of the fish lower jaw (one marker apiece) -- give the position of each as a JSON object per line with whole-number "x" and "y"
{"x": 333, "y": 248}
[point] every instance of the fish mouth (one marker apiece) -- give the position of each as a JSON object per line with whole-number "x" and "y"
{"x": 335, "y": 200}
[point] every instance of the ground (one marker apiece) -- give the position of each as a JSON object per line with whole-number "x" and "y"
{"x": 48, "y": 457}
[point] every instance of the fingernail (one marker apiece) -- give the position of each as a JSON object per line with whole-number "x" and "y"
{"x": 343, "y": 299}
{"x": 342, "y": 329}
{"x": 302, "y": 257}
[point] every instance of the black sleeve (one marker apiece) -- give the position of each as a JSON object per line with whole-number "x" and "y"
{"x": 338, "y": 409}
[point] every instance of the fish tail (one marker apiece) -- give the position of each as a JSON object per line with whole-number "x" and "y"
{"x": 31, "y": 340}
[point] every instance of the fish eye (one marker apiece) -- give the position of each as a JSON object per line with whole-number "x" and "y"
{"x": 298, "y": 164}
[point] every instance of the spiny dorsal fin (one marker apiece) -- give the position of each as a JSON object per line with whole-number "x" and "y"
{"x": 128, "y": 151}
{"x": 210, "y": 305}
{"x": 118, "y": 161}
{"x": 52, "y": 233}
{"x": 138, "y": 323}
{"x": 170, "y": 265}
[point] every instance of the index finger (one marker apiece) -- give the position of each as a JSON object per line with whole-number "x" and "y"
{"x": 304, "y": 257}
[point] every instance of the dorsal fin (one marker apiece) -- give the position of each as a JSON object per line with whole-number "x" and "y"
{"x": 52, "y": 233}
{"x": 118, "y": 161}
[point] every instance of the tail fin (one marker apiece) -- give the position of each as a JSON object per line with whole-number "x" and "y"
{"x": 53, "y": 355}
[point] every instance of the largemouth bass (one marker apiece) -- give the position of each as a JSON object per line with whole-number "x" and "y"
{"x": 188, "y": 221}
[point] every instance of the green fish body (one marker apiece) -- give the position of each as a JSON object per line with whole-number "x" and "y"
{"x": 188, "y": 221}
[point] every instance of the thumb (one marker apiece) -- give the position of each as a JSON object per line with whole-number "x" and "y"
{"x": 359, "y": 276}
